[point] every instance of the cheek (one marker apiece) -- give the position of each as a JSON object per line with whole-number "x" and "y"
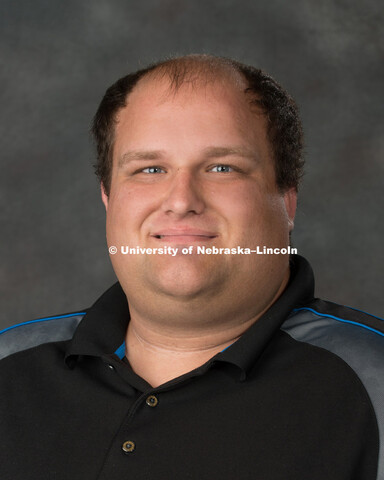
{"x": 241, "y": 203}
{"x": 255, "y": 214}
{"x": 126, "y": 212}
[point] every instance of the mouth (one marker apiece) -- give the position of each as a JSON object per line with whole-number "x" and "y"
{"x": 184, "y": 236}
{"x": 193, "y": 236}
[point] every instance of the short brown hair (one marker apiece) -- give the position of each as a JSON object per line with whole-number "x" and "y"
{"x": 284, "y": 125}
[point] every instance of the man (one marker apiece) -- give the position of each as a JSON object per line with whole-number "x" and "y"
{"x": 211, "y": 358}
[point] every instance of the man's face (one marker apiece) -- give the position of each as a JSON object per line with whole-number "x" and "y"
{"x": 194, "y": 168}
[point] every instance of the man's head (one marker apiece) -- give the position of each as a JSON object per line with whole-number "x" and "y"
{"x": 189, "y": 161}
{"x": 283, "y": 122}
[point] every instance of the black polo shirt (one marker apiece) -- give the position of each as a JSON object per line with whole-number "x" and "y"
{"x": 268, "y": 407}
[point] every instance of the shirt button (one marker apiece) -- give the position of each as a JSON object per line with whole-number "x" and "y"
{"x": 111, "y": 367}
{"x": 128, "y": 446}
{"x": 151, "y": 401}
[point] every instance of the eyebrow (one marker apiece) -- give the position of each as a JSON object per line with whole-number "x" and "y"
{"x": 209, "y": 152}
{"x": 140, "y": 155}
{"x": 216, "y": 152}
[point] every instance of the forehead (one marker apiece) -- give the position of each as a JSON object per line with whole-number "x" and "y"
{"x": 193, "y": 79}
{"x": 204, "y": 110}
{"x": 154, "y": 90}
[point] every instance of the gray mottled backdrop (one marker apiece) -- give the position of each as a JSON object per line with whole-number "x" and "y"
{"x": 57, "y": 58}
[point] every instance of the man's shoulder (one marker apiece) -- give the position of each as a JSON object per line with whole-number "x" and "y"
{"x": 33, "y": 333}
{"x": 336, "y": 327}
{"x": 354, "y": 337}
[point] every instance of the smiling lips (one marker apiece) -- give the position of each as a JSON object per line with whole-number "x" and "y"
{"x": 184, "y": 235}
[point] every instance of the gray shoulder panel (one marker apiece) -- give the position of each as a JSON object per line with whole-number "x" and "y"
{"x": 31, "y": 334}
{"x": 358, "y": 344}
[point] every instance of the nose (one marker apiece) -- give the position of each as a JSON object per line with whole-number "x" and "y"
{"x": 183, "y": 196}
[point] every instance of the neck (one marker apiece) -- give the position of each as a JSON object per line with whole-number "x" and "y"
{"x": 158, "y": 358}
{"x": 160, "y": 350}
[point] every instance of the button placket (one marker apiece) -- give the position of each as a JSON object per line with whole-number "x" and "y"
{"x": 151, "y": 401}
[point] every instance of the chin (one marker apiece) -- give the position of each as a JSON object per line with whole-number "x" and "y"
{"x": 180, "y": 282}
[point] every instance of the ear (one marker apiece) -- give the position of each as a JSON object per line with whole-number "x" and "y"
{"x": 290, "y": 200}
{"x": 104, "y": 196}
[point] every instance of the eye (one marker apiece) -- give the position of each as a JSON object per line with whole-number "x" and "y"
{"x": 152, "y": 170}
{"x": 222, "y": 169}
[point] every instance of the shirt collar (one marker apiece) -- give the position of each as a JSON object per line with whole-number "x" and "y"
{"x": 102, "y": 330}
